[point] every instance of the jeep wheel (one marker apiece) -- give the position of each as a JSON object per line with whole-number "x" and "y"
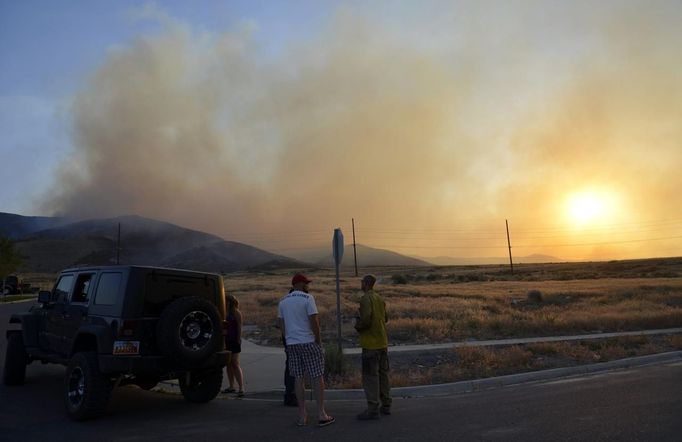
{"x": 190, "y": 330}
{"x": 201, "y": 386}
{"x": 86, "y": 390}
{"x": 15, "y": 360}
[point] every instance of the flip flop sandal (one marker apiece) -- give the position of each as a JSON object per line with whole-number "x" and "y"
{"x": 301, "y": 422}
{"x": 324, "y": 422}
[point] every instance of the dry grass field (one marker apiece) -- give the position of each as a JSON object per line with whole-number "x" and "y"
{"x": 443, "y": 304}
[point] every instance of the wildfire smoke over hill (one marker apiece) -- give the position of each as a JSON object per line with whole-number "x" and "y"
{"x": 462, "y": 117}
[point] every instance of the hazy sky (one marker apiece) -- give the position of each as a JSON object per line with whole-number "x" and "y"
{"x": 428, "y": 122}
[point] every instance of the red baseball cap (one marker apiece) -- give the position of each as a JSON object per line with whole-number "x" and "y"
{"x": 300, "y": 277}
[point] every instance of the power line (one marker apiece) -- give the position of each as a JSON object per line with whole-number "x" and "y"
{"x": 531, "y": 230}
{"x": 524, "y": 245}
{"x": 603, "y": 243}
{"x": 381, "y": 236}
{"x": 583, "y": 230}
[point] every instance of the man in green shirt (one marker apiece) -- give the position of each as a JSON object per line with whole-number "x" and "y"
{"x": 371, "y": 325}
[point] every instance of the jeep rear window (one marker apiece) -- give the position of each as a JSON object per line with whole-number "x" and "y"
{"x": 160, "y": 289}
{"x": 108, "y": 288}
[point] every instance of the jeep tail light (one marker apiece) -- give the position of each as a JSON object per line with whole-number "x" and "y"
{"x": 127, "y": 328}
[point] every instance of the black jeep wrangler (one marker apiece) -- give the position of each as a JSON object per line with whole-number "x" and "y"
{"x": 123, "y": 325}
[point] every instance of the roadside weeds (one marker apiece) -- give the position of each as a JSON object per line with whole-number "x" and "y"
{"x": 471, "y": 363}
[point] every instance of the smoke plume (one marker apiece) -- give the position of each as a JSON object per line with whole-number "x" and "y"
{"x": 500, "y": 118}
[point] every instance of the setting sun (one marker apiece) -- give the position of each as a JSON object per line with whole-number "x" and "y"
{"x": 588, "y": 206}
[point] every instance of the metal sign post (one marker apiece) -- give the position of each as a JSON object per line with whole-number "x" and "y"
{"x": 337, "y": 247}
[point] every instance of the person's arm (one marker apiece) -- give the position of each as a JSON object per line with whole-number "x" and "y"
{"x": 315, "y": 327}
{"x": 280, "y": 321}
{"x": 365, "y": 319}
{"x": 238, "y": 318}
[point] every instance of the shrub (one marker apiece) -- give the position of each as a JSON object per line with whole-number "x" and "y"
{"x": 514, "y": 356}
{"x": 469, "y": 277}
{"x": 399, "y": 279}
{"x": 675, "y": 341}
{"x": 334, "y": 360}
{"x": 544, "y": 348}
{"x": 534, "y": 296}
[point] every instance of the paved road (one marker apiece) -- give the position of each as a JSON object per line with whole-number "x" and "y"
{"x": 636, "y": 404}
{"x": 641, "y": 404}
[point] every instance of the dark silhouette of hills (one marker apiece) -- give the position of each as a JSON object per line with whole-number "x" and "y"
{"x": 51, "y": 244}
{"x": 17, "y": 226}
{"x": 144, "y": 241}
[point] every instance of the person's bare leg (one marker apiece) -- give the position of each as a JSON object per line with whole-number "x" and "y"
{"x": 230, "y": 373}
{"x": 237, "y": 371}
{"x": 318, "y": 386}
{"x": 300, "y": 397}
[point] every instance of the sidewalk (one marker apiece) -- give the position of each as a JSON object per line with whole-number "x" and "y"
{"x": 264, "y": 367}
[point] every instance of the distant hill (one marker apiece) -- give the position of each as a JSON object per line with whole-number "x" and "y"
{"x": 51, "y": 244}
{"x": 367, "y": 256}
{"x": 144, "y": 241}
{"x": 17, "y": 226}
{"x": 450, "y": 261}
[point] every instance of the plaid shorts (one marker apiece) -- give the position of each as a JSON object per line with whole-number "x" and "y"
{"x": 305, "y": 359}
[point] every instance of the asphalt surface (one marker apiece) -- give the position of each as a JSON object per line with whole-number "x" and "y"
{"x": 643, "y": 403}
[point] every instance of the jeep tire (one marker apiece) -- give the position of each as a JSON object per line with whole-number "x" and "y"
{"x": 201, "y": 386}
{"x": 86, "y": 389}
{"x": 15, "y": 360}
{"x": 190, "y": 330}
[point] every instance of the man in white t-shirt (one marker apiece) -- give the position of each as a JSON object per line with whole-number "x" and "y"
{"x": 300, "y": 324}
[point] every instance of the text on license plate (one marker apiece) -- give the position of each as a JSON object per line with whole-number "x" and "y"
{"x": 126, "y": 347}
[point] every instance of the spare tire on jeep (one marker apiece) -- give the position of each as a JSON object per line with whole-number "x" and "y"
{"x": 190, "y": 330}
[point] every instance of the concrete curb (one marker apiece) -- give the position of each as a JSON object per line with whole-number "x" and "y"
{"x": 476, "y": 384}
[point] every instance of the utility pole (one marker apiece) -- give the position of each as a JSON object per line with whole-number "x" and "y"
{"x": 118, "y": 245}
{"x": 511, "y": 264}
{"x": 337, "y": 251}
{"x": 355, "y": 253}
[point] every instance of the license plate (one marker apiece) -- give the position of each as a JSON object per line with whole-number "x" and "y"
{"x": 126, "y": 347}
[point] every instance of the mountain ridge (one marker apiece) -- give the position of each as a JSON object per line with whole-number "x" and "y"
{"x": 144, "y": 241}
{"x": 67, "y": 243}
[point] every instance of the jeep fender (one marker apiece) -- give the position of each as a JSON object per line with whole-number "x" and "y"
{"x": 92, "y": 338}
{"x": 30, "y": 326}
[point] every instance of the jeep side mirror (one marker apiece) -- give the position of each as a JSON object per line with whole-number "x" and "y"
{"x": 44, "y": 296}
